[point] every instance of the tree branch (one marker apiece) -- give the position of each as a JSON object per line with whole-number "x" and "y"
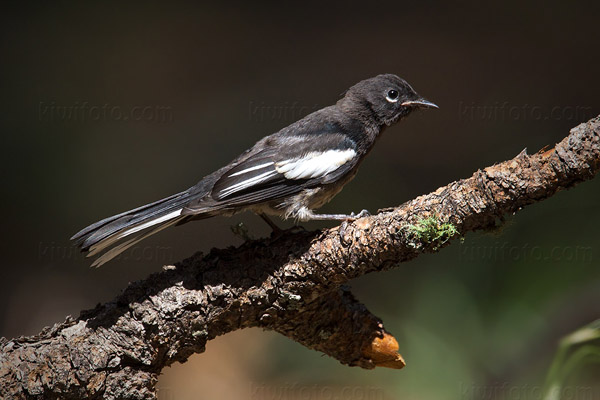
{"x": 292, "y": 283}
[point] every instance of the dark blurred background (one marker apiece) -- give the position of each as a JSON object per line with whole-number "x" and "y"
{"x": 110, "y": 106}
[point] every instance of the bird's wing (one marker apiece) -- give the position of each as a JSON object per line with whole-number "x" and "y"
{"x": 284, "y": 166}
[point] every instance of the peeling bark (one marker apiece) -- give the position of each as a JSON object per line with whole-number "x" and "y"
{"x": 292, "y": 283}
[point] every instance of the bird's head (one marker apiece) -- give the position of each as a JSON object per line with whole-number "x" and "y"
{"x": 385, "y": 98}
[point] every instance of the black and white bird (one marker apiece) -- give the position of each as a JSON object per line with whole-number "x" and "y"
{"x": 289, "y": 173}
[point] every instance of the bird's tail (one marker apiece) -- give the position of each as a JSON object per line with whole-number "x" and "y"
{"x": 135, "y": 225}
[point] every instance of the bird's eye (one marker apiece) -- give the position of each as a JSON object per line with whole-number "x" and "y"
{"x": 392, "y": 96}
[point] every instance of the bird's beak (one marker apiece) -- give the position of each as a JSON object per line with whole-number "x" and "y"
{"x": 421, "y": 103}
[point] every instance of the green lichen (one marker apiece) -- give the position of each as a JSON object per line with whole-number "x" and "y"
{"x": 431, "y": 232}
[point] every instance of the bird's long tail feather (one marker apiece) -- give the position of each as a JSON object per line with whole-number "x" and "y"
{"x": 135, "y": 225}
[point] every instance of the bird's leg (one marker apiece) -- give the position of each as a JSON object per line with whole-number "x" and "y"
{"x": 307, "y": 215}
{"x": 276, "y": 229}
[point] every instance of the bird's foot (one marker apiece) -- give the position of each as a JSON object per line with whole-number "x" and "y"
{"x": 296, "y": 229}
{"x": 241, "y": 230}
{"x": 363, "y": 213}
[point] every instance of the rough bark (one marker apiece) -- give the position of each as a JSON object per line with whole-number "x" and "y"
{"x": 291, "y": 283}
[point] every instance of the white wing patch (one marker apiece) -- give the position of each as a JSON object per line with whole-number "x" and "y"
{"x": 252, "y": 169}
{"x": 247, "y": 183}
{"x": 314, "y": 164}
{"x": 311, "y": 165}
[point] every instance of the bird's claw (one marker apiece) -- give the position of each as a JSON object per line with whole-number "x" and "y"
{"x": 363, "y": 213}
{"x": 296, "y": 229}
